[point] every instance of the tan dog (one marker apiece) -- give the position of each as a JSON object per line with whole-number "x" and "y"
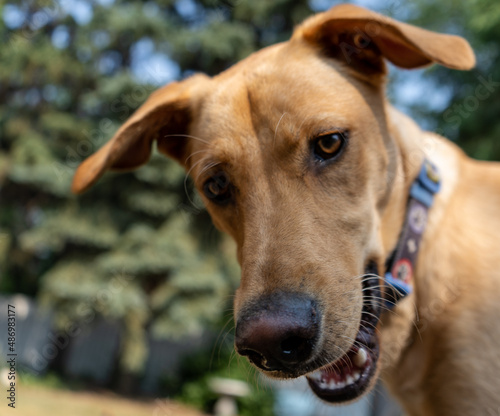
{"x": 299, "y": 158}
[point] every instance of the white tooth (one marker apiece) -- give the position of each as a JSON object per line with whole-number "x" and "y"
{"x": 315, "y": 376}
{"x": 341, "y": 384}
{"x": 349, "y": 379}
{"x": 360, "y": 358}
{"x": 356, "y": 375}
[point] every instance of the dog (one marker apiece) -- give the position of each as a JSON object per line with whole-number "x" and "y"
{"x": 325, "y": 187}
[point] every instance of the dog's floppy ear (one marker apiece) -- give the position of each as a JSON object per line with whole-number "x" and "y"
{"x": 362, "y": 37}
{"x": 166, "y": 113}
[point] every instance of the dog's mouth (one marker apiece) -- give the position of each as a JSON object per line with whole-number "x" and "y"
{"x": 351, "y": 375}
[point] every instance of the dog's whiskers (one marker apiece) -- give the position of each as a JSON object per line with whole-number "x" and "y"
{"x": 277, "y": 125}
{"x": 192, "y": 154}
{"x": 185, "y": 182}
{"x": 357, "y": 343}
{"x": 206, "y": 168}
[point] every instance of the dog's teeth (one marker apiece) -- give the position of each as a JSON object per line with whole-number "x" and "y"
{"x": 317, "y": 375}
{"x": 349, "y": 380}
{"x": 340, "y": 384}
{"x": 360, "y": 358}
{"x": 356, "y": 375}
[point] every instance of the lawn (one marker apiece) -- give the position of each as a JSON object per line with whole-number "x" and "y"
{"x": 42, "y": 401}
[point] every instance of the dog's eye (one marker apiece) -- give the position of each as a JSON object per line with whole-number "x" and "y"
{"x": 218, "y": 188}
{"x": 328, "y": 145}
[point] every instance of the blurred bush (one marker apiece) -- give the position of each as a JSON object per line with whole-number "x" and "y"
{"x": 192, "y": 384}
{"x": 138, "y": 247}
{"x": 463, "y": 106}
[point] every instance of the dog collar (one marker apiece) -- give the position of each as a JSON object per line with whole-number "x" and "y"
{"x": 401, "y": 265}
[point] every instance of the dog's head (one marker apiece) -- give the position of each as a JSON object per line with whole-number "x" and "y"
{"x": 292, "y": 153}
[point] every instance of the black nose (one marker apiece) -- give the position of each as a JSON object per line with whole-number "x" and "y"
{"x": 278, "y": 331}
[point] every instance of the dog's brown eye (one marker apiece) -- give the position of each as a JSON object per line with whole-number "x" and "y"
{"x": 218, "y": 188}
{"x": 328, "y": 145}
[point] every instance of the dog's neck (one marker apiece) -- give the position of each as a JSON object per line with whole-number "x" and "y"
{"x": 408, "y": 156}
{"x": 414, "y": 145}
{"x": 399, "y": 328}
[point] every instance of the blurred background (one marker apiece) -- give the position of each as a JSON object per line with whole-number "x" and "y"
{"x": 123, "y": 295}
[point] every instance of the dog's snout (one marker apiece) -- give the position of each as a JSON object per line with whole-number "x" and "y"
{"x": 278, "y": 331}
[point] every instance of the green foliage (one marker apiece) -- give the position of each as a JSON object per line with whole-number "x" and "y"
{"x": 50, "y": 381}
{"x": 192, "y": 385}
{"x": 471, "y": 115}
{"x": 137, "y": 248}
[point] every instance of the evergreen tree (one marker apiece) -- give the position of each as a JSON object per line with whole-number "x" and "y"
{"x": 469, "y": 101}
{"x": 138, "y": 247}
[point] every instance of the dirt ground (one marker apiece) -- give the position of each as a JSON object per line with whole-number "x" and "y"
{"x": 39, "y": 401}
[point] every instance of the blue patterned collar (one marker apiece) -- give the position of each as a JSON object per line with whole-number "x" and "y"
{"x": 400, "y": 267}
